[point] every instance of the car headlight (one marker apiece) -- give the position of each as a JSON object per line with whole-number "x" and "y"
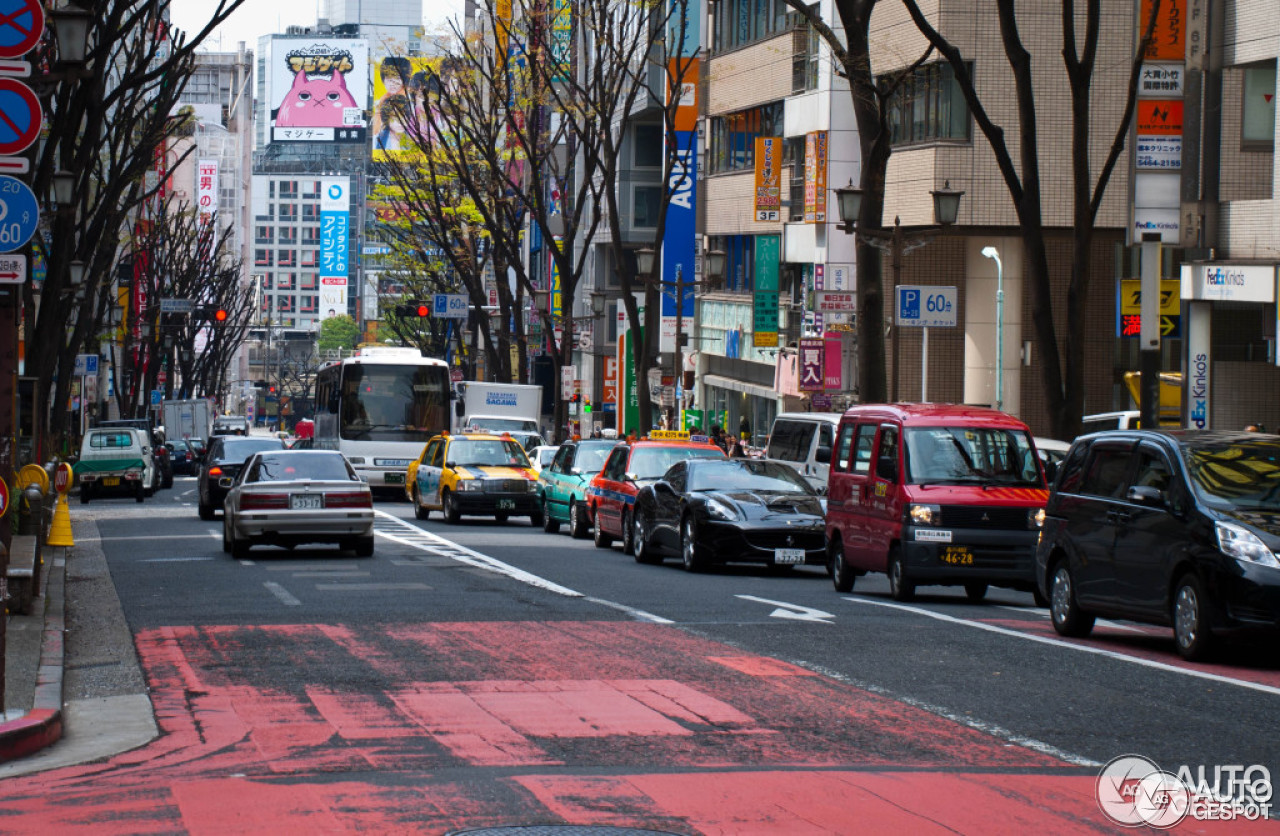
{"x": 470, "y": 485}
{"x": 1243, "y": 545}
{"x": 925, "y": 514}
{"x": 1035, "y": 518}
{"x": 720, "y": 511}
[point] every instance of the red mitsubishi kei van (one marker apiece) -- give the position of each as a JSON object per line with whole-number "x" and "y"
{"x": 934, "y": 494}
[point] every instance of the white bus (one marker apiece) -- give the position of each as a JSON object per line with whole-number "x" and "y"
{"x": 379, "y": 408}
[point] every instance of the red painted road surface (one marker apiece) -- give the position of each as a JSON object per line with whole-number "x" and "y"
{"x": 433, "y": 727}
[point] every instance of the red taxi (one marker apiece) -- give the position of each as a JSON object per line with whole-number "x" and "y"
{"x": 612, "y": 493}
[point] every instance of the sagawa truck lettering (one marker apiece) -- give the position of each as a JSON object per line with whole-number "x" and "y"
{"x": 500, "y": 399}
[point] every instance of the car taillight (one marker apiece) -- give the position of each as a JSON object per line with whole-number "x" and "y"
{"x": 215, "y": 471}
{"x": 349, "y": 499}
{"x": 263, "y": 501}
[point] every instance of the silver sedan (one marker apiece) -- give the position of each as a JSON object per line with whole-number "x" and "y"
{"x": 288, "y": 497}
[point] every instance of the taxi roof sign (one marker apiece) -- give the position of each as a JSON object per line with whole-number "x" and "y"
{"x": 669, "y": 435}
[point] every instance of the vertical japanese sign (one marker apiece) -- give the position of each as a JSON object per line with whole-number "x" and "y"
{"x": 334, "y": 243}
{"x": 815, "y": 177}
{"x": 812, "y": 355}
{"x": 561, "y": 40}
{"x": 679, "y": 240}
{"x": 610, "y": 396}
{"x": 832, "y": 372}
{"x": 764, "y": 323}
{"x": 819, "y": 284}
{"x": 1168, "y": 43}
{"x": 206, "y": 189}
{"x": 768, "y": 196}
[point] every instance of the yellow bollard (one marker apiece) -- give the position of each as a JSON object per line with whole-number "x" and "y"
{"x": 60, "y": 530}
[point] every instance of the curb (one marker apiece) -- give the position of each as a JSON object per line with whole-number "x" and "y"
{"x": 42, "y": 726}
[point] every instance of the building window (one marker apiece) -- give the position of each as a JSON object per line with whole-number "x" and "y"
{"x": 308, "y": 281}
{"x": 739, "y": 262}
{"x": 271, "y": 188}
{"x": 268, "y": 281}
{"x": 311, "y": 211}
{"x": 284, "y": 303}
{"x": 310, "y": 258}
{"x": 733, "y": 137}
{"x": 928, "y": 106}
{"x": 648, "y": 142}
{"x": 262, "y": 258}
{"x": 308, "y": 303}
{"x": 804, "y": 59}
{"x": 312, "y": 190}
{"x": 311, "y": 235}
{"x": 793, "y": 152}
{"x": 288, "y": 212}
{"x": 262, "y": 234}
{"x": 289, "y": 189}
{"x": 740, "y": 22}
{"x": 287, "y": 258}
{"x": 1258, "y": 116}
{"x": 288, "y": 235}
{"x": 645, "y": 203}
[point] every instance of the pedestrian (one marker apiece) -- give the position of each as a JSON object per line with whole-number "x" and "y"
{"x": 736, "y": 450}
{"x": 597, "y": 433}
{"x": 744, "y": 427}
{"x": 718, "y": 437}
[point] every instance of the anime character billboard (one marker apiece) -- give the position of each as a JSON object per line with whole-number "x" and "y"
{"x": 318, "y": 90}
{"x": 402, "y": 92}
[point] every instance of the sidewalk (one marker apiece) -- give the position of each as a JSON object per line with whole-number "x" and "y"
{"x": 74, "y": 690}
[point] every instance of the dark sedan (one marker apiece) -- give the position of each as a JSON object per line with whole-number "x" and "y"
{"x": 720, "y": 510}
{"x": 1171, "y": 527}
{"x": 224, "y": 458}
{"x": 183, "y": 457}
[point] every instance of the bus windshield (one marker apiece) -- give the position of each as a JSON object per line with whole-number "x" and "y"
{"x": 394, "y": 402}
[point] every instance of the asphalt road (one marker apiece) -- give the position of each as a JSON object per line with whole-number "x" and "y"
{"x": 834, "y": 682}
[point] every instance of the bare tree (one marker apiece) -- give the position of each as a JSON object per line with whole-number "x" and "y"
{"x": 1062, "y": 365}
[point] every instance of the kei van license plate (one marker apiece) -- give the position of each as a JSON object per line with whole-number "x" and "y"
{"x": 111, "y": 481}
{"x": 305, "y": 502}
{"x": 506, "y": 504}
{"x": 956, "y": 556}
{"x": 788, "y": 557}
{"x": 393, "y": 478}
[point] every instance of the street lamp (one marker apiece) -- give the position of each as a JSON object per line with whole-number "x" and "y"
{"x": 946, "y": 207}
{"x": 993, "y": 253}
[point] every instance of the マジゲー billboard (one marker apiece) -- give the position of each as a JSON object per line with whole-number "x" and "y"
{"x": 318, "y": 89}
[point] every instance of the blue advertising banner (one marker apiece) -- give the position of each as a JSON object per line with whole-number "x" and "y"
{"x": 335, "y": 239}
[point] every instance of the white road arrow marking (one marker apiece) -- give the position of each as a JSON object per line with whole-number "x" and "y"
{"x": 792, "y": 611}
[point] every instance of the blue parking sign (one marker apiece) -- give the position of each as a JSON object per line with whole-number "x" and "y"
{"x": 908, "y": 303}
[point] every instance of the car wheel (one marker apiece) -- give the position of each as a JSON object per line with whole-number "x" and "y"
{"x": 140, "y": 493}
{"x": 578, "y": 523}
{"x": 419, "y": 513}
{"x": 1190, "y": 619}
{"x": 205, "y": 509}
{"x": 1068, "y": 618}
{"x": 451, "y": 511}
{"x": 167, "y": 483}
{"x": 901, "y": 587}
{"x": 226, "y": 533}
{"x": 640, "y": 543}
{"x": 1038, "y": 597}
{"x": 500, "y": 518}
{"x": 976, "y": 591}
{"x": 548, "y": 524}
{"x": 602, "y": 540}
{"x": 239, "y": 548}
{"x": 86, "y": 490}
{"x": 842, "y": 576}
{"x": 690, "y": 555}
{"x": 364, "y": 546}
{"x": 628, "y": 533}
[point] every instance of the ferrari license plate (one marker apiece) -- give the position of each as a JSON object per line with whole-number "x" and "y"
{"x": 111, "y": 481}
{"x": 956, "y": 556}
{"x": 506, "y": 504}
{"x": 394, "y": 478}
{"x": 788, "y": 557}
{"x": 305, "y": 502}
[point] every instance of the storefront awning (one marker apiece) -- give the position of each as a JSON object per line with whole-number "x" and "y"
{"x": 721, "y": 382}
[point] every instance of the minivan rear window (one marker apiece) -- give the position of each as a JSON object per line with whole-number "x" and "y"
{"x": 791, "y": 441}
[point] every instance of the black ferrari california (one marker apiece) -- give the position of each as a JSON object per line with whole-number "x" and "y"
{"x": 729, "y": 510}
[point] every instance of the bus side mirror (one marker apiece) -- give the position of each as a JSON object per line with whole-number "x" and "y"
{"x": 460, "y": 407}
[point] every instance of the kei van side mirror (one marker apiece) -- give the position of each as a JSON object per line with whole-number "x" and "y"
{"x": 450, "y": 465}
{"x": 822, "y": 455}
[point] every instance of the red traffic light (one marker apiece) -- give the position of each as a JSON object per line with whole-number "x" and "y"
{"x": 220, "y": 315}
{"x": 423, "y": 310}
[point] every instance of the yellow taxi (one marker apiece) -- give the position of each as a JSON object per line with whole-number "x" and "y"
{"x": 476, "y": 474}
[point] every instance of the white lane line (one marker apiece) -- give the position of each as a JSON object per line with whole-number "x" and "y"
{"x": 1083, "y": 648}
{"x": 283, "y": 594}
{"x": 1101, "y": 622}
{"x": 410, "y": 535}
{"x": 369, "y": 587}
{"x": 312, "y": 567}
{"x": 174, "y": 559}
{"x": 330, "y": 574}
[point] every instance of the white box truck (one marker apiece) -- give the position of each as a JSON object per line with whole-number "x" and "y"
{"x": 498, "y": 407}
{"x": 186, "y": 419}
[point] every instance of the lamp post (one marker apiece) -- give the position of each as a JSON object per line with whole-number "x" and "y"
{"x": 946, "y": 206}
{"x": 715, "y": 272}
{"x": 993, "y": 253}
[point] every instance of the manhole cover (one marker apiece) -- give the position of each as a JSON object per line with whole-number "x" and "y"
{"x": 560, "y": 830}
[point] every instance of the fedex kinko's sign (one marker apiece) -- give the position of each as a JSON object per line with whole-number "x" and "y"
{"x": 1230, "y": 282}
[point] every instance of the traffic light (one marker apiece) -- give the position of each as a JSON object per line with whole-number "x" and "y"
{"x": 413, "y": 309}
{"x": 220, "y": 315}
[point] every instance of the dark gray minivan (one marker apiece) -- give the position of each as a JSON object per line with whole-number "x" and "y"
{"x": 1171, "y": 527}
